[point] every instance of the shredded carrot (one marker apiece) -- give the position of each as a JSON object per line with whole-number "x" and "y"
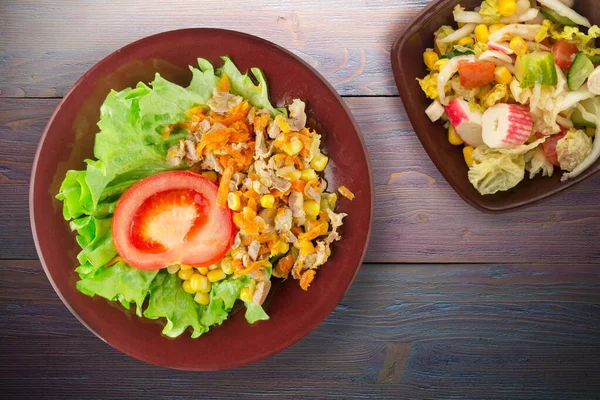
{"x": 224, "y": 187}
{"x": 115, "y": 260}
{"x": 306, "y": 278}
{"x": 224, "y": 85}
{"x": 237, "y": 113}
{"x": 253, "y": 267}
{"x": 264, "y": 249}
{"x": 318, "y": 228}
{"x": 284, "y": 266}
{"x": 299, "y": 185}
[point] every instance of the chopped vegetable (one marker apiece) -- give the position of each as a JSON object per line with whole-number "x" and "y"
{"x": 581, "y": 69}
{"x": 475, "y": 73}
{"x": 536, "y": 68}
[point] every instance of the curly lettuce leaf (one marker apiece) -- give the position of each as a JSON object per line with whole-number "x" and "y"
{"x": 493, "y": 171}
{"x": 242, "y": 85}
{"x": 489, "y": 11}
{"x": 119, "y": 282}
{"x": 222, "y": 297}
{"x": 585, "y": 42}
{"x": 95, "y": 238}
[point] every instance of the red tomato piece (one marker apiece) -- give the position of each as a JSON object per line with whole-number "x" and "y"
{"x": 172, "y": 218}
{"x": 475, "y": 73}
{"x": 550, "y": 147}
{"x": 564, "y": 53}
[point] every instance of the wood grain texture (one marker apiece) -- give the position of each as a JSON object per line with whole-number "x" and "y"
{"x": 402, "y": 331}
{"x": 348, "y": 42}
{"x": 418, "y": 217}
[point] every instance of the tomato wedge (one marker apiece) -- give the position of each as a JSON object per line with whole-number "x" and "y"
{"x": 550, "y": 146}
{"x": 172, "y": 218}
{"x": 475, "y": 73}
{"x": 564, "y": 53}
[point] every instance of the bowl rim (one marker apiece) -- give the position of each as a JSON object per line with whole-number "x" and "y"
{"x": 431, "y": 11}
{"x": 308, "y": 328}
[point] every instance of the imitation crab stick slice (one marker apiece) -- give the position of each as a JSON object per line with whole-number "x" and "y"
{"x": 465, "y": 121}
{"x": 506, "y": 125}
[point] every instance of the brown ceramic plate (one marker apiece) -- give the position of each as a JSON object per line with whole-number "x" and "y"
{"x": 407, "y": 65}
{"x": 68, "y": 140}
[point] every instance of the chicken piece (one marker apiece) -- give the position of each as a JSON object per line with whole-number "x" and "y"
{"x": 237, "y": 240}
{"x": 312, "y": 194}
{"x": 289, "y": 237}
{"x": 191, "y": 155}
{"x": 273, "y": 130}
{"x": 210, "y": 162}
{"x": 176, "y": 154}
{"x": 253, "y": 249}
{"x": 283, "y": 220}
{"x": 222, "y": 102}
{"x": 260, "y": 148}
{"x": 259, "y": 275}
{"x": 261, "y": 292}
{"x": 236, "y": 181}
{"x": 259, "y": 187}
{"x": 296, "y": 203}
{"x": 251, "y": 115}
{"x": 298, "y": 116}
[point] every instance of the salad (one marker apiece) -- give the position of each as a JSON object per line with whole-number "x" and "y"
{"x": 517, "y": 84}
{"x": 197, "y": 197}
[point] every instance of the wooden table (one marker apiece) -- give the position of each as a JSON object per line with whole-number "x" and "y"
{"x": 451, "y": 303}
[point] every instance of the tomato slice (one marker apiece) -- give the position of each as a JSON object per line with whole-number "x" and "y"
{"x": 564, "y": 53}
{"x": 172, "y": 218}
{"x": 475, "y": 73}
{"x": 550, "y": 146}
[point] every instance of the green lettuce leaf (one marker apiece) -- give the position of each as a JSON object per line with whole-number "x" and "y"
{"x": 95, "y": 238}
{"x": 169, "y": 300}
{"x": 222, "y": 297}
{"x": 119, "y": 282}
{"x": 242, "y": 85}
{"x": 254, "y": 312}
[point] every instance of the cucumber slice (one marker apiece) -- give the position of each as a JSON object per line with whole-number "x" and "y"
{"x": 581, "y": 69}
{"x": 555, "y": 17}
{"x": 588, "y": 104}
{"x": 595, "y": 59}
{"x": 536, "y": 68}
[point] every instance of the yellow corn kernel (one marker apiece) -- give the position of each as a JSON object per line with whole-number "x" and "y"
{"x": 205, "y": 286}
{"x": 503, "y": 75}
{"x": 267, "y": 201}
{"x": 306, "y": 247}
{"x": 233, "y": 201}
{"x": 518, "y": 45}
{"x": 465, "y": 41}
{"x": 280, "y": 247}
{"x": 246, "y": 295}
{"x": 430, "y": 58}
{"x": 507, "y": 7}
{"x": 312, "y": 208}
{"x": 212, "y": 267}
{"x": 173, "y": 269}
{"x": 468, "y": 154}
{"x": 347, "y": 193}
{"x": 185, "y": 274}
{"x": 211, "y": 175}
{"x": 216, "y": 275}
{"x": 482, "y": 33}
{"x": 227, "y": 265}
{"x": 453, "y": 137}
{"x": 591, "y": 132}
{"x": 202, "y": 298}
{"x": 197, "y": 282}
{"x": 188, "y": 287}
{"x": 496, "y": 27}
{"x": 440, "y": 64}
{"x": 293, "y": 147}
{"x": 202, "y": 270}
{"x": 309, "y": 174}
{"x": 282, "y": 123}
{"x": 185, "y": 267}
{"x": 319, "y": 162}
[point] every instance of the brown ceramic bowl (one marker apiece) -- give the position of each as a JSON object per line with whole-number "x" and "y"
{"x": 407, "y": 65}
{"x": 68, "y": 140}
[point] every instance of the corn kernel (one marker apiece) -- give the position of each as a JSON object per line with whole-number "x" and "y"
{"x": 211, "y": 175}
{"x": 518, "y": 45}
{"x": 312, "y": 208}
{"x": 233, "y": 201}
{"x": 197, "y": 282}
{"x": 205, "y": 286}
{"x": 430, "y": 58}
{"x": 293, "y": 147}
{"x": 280, "y": 247}
{"x": 246, "y": 295}
{"x": 319, "y": 162}
{"x": 188, "y": 287}
{"x": 212, "y": 267}
{"x": 227, "y": 265}
{"x": 185, "y": 274}
{"x": 507, "y": 7}
{"x": 267, "y": 201}
{"x": 503, "y": 75}
{"x": 289, "y": 172}
{"x": 496, "y": 27}
{"x": 482, "y": 33}
{"x": 468, "y": 154}
{"x": 282, "y": 123}
{"x": 185, "y": 267}
{"x": 591, "y": 132}
{"x": 453, "y": 137}
{"x": 306, "y": 247}
{"x": 465, "y": 41}
{"x": 202, "y": 298}
{"x": 216, "y": 275}
{"x": 202, "y": 270}
{"x": 309, "y": 174}
{"x": 173, "y": 269}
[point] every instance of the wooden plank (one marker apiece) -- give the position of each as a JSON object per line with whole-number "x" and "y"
{"x": 418, "y": 217}
{"x": 46, "y": 46}
{"x": 451, "y": 331}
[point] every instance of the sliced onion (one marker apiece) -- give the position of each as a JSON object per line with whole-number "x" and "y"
{"x": 525, "y": 31}
{"x": 496, "y": 54}
{"x": 563, "y": 10}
